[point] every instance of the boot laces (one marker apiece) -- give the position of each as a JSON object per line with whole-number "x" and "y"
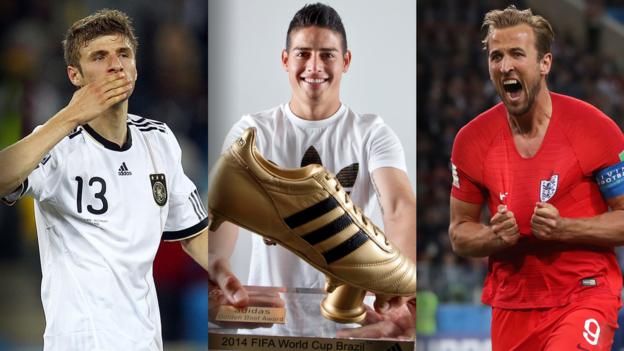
{"x": 358, "y": 212}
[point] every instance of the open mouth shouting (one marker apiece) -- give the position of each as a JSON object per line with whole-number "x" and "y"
{"x": 513, "y": 88}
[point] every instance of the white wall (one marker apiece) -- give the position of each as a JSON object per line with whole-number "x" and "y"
{"x": 245, "y": 39}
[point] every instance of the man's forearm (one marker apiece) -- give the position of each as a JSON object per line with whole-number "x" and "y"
{"x": 223, "y": 240}
{"x": 400, "y": 228}
{"x": 197, "y": 248}
{"x": 606, "y": 229}
{"x": 19, "y": 159}
{"x": 471, "y": 239}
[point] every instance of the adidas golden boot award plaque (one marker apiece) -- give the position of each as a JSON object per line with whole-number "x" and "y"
{"x": 307, "y": 211}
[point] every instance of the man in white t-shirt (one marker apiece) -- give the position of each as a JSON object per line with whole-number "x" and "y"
{"x": 108, "y": 186}
{"x": 315, "y": 127}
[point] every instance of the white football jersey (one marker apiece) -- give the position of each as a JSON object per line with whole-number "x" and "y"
{"x": 101, "y": 211}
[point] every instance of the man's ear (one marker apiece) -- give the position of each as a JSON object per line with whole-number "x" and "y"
{"x": 347, "y": 61}
{"x": 285, "y": 59}
{"x": 546, "y": 64}
{"x": 75, "y": 76}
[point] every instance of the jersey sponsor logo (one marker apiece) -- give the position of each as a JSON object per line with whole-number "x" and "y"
{"x": 159, "y": 188}
{"x": 123, "y": 170}
{"x": 548, "y": 188}
{"x": 456, "y": 177}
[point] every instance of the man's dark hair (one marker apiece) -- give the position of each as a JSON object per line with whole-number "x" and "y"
{"x": 317, "y": 15}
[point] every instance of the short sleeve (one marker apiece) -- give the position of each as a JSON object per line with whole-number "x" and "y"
{"x": 464, "y": 169}
{"x": 187, "y": 215}
{"x": 386, "y": 150}
{"x": 598, "y": 145}
{"x": 463, "y": 188}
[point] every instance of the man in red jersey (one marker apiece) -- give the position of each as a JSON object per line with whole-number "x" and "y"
{"x": 549, "y": 168}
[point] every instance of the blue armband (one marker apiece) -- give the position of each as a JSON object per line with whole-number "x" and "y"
{"x": 611, "y": 181}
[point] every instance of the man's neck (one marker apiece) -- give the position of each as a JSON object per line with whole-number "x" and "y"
{"x": 313, "y": 111}
{"x": 111, "y": 124}
{"x": 535, "y": 121}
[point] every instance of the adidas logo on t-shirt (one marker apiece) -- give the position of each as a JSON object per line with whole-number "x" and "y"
{"x": 123, "y": 170}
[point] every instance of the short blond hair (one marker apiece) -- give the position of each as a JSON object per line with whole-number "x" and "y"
{"x": 511, "y": 16}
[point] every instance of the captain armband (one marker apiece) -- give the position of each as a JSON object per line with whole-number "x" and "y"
{"x": 611, "y": 181}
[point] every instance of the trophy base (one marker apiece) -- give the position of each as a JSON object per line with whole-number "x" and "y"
{"x": 306, "y": 327}
{"x": 344, "y": 305}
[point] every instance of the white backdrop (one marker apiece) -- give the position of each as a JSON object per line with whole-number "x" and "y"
{"x": 245, "y": 40}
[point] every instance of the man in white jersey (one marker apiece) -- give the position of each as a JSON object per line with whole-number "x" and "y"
{"x": 315, "y": 127}
{"x": 108, "y": 186}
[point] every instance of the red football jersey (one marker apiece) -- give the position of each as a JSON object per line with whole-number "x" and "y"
{"x": 580, "y": 140}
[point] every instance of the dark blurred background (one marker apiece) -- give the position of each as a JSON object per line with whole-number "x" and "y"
{"x": 172, "y": 87}
{"x": 453, "y": 88}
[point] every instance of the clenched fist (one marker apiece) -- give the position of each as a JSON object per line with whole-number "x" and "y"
{"x": 504, "y": 225}
{"x": 546, "y": 223}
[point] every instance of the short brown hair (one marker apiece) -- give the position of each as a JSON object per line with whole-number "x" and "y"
{"x": 511, "y": 16}
{"x": 103, "y": 22}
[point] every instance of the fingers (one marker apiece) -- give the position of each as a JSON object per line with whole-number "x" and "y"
{"x": 546, "y": 212}
{"x": 399, "y": 301}
{"x": 504, "y": 225}
{"x": 232, "y": 288}
{"x": 546, "y": 224}
{"x": 371, "y": 317}
{"x": 502, "y": 215}
{"x": 98, "y": 96}
{"x": 116, "y": 83}
{"x": 509, "y": 223}
{"x": 382, "y": 303}
{"x": 411, "y": 307}
{"x": 539, "y": 220}
{"x": 115, "y": 88}
{"x": 265, "y": 299}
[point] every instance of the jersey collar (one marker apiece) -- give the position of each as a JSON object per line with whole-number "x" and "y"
{"x": 109, "y": 144}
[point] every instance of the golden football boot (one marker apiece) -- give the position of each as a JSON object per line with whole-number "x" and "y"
{"x": 307, "y": 211}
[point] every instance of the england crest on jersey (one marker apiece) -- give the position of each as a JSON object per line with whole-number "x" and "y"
{"x": 548, "y": 188}
{"x": 159, "y": 188}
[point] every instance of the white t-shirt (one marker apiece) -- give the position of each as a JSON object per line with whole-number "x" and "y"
{"x": 101, "y": 211}
{"x": 348, "y": 144}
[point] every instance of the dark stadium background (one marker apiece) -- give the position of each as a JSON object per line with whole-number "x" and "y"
{"x": 172, "y": 87}
{"x": 453, "y": 87}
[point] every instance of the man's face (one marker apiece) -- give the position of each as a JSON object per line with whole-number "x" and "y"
{"x": 315, "y": 64}
{"x": 514, "y": 67}
{"x": 103, "y": 56}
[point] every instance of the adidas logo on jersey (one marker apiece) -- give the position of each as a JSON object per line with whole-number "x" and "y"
{"x": 123, "y": 170}
{"x": 345, "y": 176}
